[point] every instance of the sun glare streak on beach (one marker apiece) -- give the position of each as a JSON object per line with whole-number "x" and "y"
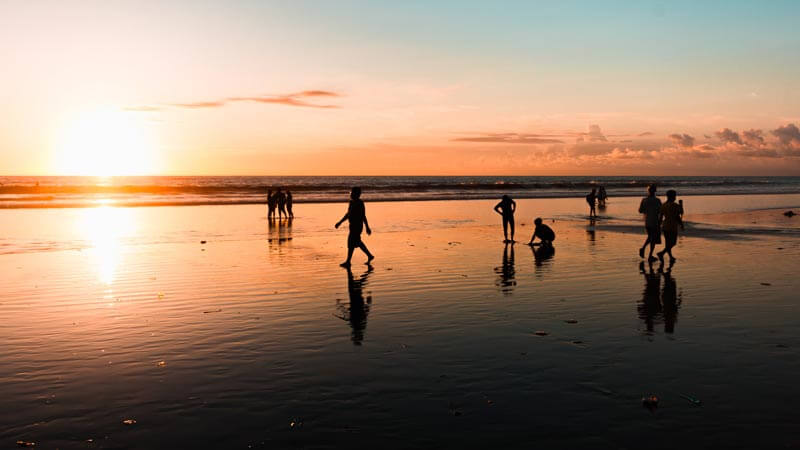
{"x": 105, "y": 142}
{"x": 105, "y": 227}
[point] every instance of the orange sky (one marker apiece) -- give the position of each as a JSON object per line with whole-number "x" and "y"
{"x": 372, "y": 88}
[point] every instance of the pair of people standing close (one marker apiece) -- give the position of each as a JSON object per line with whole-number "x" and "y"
{"x": 506, "y": 208}
{"x": 280, "y": 202}
{"x": 658, "y": 217}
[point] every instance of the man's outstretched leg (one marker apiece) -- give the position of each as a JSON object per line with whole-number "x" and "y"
{"x": 364, "y": 249}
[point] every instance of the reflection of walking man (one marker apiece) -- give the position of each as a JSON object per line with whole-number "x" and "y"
{"x": 358, "y": 309}
{"x": 357, "y": 217}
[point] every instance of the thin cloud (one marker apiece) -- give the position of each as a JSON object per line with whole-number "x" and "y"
{"x": 727, "y": 135}
{"x": 510, "y": 138}
{"x": 646, "y": 133}
{"x": 293, "y": 99}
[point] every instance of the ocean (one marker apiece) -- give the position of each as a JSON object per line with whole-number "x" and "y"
{"x": 70, "y": 192}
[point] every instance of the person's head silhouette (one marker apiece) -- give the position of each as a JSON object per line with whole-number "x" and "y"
{"x": 355, "y": 193}
{"x": 671, "y": 194}
{"x": 651, "y": 189}
{"x": 538, "y": 221}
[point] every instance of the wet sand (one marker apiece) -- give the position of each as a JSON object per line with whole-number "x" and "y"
{"x": 257, "y": 337}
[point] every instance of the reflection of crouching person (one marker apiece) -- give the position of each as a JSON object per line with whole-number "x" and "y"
{"x": 545, "y": 234}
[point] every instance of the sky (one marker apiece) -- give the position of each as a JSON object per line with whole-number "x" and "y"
{"x": 399, "y": 88}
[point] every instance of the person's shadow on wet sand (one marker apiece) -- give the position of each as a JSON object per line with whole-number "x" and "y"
{"x": 542, "y": 254}
{"x": 658, "y": 303}
{"x": 506, "y": 271}
{"x": 357, "y": 310}
{"x": 279, "y": 231}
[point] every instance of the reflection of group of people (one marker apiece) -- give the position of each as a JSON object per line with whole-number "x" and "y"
{"x": 658, "y": 302}
{"x": 280, "y": 202}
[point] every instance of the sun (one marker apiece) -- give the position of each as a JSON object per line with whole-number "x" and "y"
{"x": 105, "y": 142}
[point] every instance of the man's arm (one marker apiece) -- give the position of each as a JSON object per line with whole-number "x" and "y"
{"x": 366, "y": 224}
{"x": 497, "y": 208}
{"x": 641, "y": 207}
{"x": 513, "y": 206}
{"x": 346, "y": 217}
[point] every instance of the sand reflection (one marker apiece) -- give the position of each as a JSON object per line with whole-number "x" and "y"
{"x": 356, "y": 311}
{"x": 659, "y": 303}
{"x": 104, "y": 228}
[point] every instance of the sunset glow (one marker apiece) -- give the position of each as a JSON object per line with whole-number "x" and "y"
{"x": 410, "y": 88}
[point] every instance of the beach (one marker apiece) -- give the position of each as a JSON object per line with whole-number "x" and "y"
{"x": 211, "y": 326}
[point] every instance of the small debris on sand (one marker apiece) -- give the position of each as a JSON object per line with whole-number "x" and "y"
{"x": 26, "y": 444}
{"x": 766, "y": 284}
{"x": 789, "y": 214}
{"x": 650, "y": 402}
{"x": 213, "y": 311}
{"x": 129, "y": 421}
{"x": 570, "y": 321}
{"x": 161, "y": 363}
{"x": 541, "y": 333}
{"x": 202, "y": 242}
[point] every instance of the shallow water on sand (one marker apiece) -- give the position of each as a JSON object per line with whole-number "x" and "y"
{"x": 257, "y": 337}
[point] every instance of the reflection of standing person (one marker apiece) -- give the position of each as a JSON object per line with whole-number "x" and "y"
{"x": 506, "y": 208}
{"x": 289, "y": 203}
{"x": 357, "y": 217}
{"x": 671, "y": 302}
{"x": 671, "y": 219}
{"x": 270, "y": 204}
{"x": 591, "y": 199}
{"x": 651, "y": 208}
{"x": 506, "y": 271}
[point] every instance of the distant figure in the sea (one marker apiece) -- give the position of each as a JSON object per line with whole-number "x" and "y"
{"x": 281, "y": 199}
{"x": 545, "y": 234}
{"x": 271, "y": 204}
{"x": 357, "y": 311}
{"x": 289, "y": 204}
{"x": 506, "y": 208}
{"x": 670, "y": 221}
{"x": 357, "y": 216}
{"x": 601, "y": 197}
{"x": 591, "y": 199}
{"x": 650, "y": 206}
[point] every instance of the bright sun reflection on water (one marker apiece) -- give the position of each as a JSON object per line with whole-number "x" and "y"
{"x": 105, "y": 227}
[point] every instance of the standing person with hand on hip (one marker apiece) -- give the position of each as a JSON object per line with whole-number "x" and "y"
{"x": 506, "y": 208}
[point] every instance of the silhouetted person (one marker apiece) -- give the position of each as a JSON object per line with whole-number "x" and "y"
{"x": 281, "y": 200}
{"x": 271, "y": 204}
{"x": 670, "y": 221}
{"x": 601, "y": 196}
{"x": 591, "y": 199}
{"x": 650, "y": 206}
{"x": 289, "y": 203}
{"x": 506, "y": 208}
{"x": 506, "y": 271}
{"x": 357, "y": 311}
{"x": 357, "y": 216}
{"x": 545, "y": 234}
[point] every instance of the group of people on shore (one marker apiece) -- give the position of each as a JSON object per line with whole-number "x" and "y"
{"x": 280, "y": 202}
{"x": 659, "y": 218}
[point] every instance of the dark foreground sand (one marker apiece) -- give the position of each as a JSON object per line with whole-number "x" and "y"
{"x": 257, "y": 338}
